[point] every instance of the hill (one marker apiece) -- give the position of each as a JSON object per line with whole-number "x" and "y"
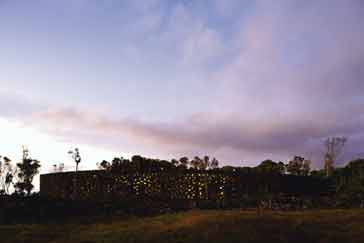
{"x": 202, "y": 226}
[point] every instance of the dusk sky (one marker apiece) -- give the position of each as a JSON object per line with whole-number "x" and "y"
{"x": 239, "y": 80}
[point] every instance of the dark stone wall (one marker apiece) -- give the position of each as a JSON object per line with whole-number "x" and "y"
{"x": 96, "y": 185}
{"x": 174, "y": 185}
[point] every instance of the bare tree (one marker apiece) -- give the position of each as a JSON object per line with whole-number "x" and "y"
{"x": 333, "y": 147}
{"x": 7, "y": 173}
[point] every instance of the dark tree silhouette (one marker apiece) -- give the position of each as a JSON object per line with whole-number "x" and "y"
{"x": 27, "y": 169}
{"x": 205, "y": 163}
{"x": 299, "y": 166}
{"x": 196, "y": 163}
{"x": 75, "y": 156}
{"x": 184, "y": 161}
{"x": 103, "y": 165}
{"x": 175, "y": 162}
{"x": 214, "y": 164}
{"x": 269, "y": 166}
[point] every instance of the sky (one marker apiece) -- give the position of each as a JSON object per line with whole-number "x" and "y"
{"x": 240, "y": 80}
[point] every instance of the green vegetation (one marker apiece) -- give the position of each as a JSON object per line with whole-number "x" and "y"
{"x": 202, "y": 226}
{"x": 23, "y": 174}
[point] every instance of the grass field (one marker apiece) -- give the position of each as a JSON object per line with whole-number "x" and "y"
{"x": 203, "y": 226}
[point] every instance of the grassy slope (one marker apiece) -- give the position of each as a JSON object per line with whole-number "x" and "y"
{"x": 203, "y": 226}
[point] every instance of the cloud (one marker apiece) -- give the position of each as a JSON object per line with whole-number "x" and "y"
{"x": 201, "y": 133}
{"x": 287, "y": 75}
{"x": 299, "y": 64}
{"x": 17, "y": 105}
{"x": 305, "y": 54}
{"x": 198, "y": 43}
{"x": 293, "y": 78}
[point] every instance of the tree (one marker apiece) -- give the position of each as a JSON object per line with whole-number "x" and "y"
{"x": 294, "y": 166}
{"x": 214, "y": 164}
{"x": 7, "y": 173}
{"x": 299, "y": 166}
{"x": 116, "y": 164}
{"x": 349, "y": 183}
{"x": 333, "y": 147}
{"x": 269, "y": 166}
{"x": 197, "y": 163}
{"x": 104, "y": 165}
{"x": 138, "y": 163}
{"x": 205, "y": 163}
{"x": 27, "y": 169}
{"x": 174, "y": 162}
{"x": 306, "y": 167}
{"x": 282, "y": 167}
{"x": 228, "y": 169}
{"x": 75, "y": 156}
{"x": 184, "y": 161}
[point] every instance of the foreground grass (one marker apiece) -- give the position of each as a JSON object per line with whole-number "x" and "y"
{"x": 203, "y": 226}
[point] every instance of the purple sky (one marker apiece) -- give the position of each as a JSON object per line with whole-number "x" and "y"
{"x": 240, "y": 80}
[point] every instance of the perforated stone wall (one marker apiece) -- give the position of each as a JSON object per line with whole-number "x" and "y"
{"x": 188, "y": 185}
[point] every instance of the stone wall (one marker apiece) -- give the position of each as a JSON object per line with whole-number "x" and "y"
{"x": 185, "y": 185}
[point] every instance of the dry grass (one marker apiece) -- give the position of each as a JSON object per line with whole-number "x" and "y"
{"x": 203, "y": 226}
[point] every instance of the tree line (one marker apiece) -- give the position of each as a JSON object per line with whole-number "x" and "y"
{"x": 297, "y": 166}
{"x": 349, "y": 178}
